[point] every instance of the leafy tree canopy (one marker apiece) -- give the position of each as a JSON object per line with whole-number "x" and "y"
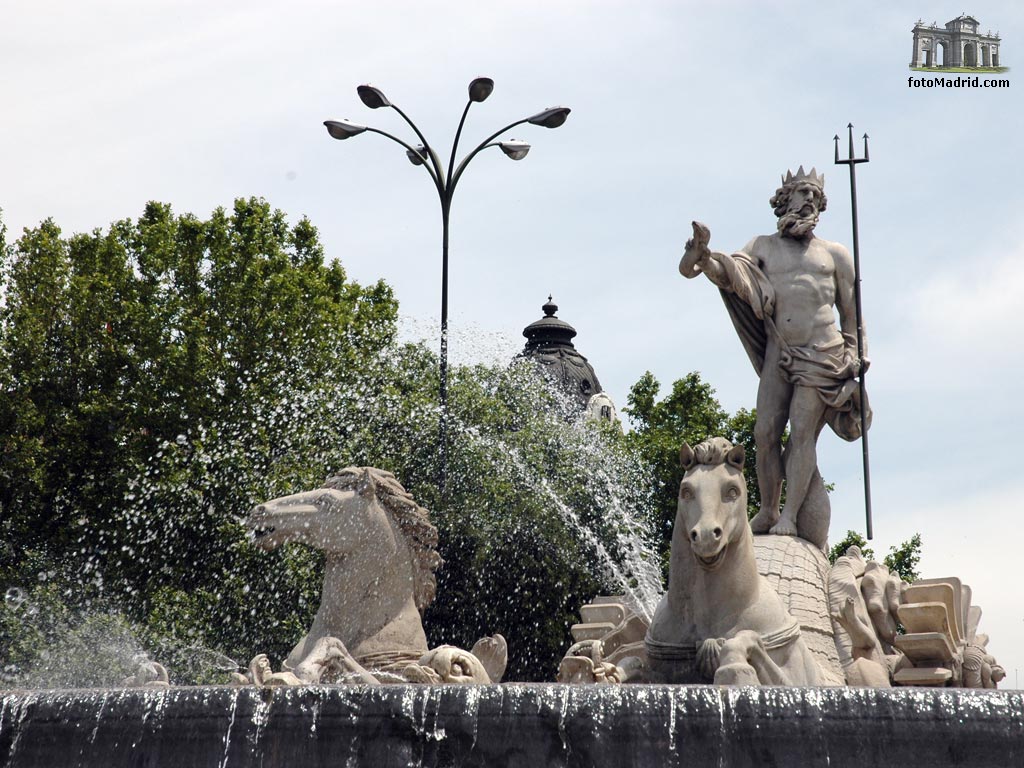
{"x": 124, "y": 351}
{"x": 902, "y": 559}
{"x": 689, "y": 413}
{"x": 163, "y": 376}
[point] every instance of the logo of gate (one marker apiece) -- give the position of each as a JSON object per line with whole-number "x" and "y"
{"x": 956, "y": 47}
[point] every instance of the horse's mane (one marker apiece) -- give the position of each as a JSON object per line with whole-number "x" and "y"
{"x": 412, "y": 520}
{"x": 712, "y": 451}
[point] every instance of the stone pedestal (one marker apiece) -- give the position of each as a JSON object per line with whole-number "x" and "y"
{"x": 512, "y": 726}
{"x": 798, "y": 571}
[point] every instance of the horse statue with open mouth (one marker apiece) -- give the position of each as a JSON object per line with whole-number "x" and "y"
{"x": 378, "y": 576}
{"x": 720, "y": 619}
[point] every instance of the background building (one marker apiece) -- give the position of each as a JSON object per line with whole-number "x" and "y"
{"x": 549, "y": 344}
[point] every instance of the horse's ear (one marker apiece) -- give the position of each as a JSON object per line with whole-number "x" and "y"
{"x": 736, "y": 456}
{"x": 365, "y": 485}
{"x": 686, "y": 457}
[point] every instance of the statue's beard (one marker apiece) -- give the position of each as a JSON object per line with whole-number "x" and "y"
{"x": 793, "y": 224}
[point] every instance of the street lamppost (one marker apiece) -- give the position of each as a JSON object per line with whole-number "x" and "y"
{"x": 424, "y": 155}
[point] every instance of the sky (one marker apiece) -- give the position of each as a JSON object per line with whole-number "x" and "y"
{"x": 680, "y": 111}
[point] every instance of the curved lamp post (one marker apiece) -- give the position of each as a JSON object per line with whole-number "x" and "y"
{"x": 445, "y": 182}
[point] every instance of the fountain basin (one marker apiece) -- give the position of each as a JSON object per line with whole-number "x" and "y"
{"x": 534, "y": 725}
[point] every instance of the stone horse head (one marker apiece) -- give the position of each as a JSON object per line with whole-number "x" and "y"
{"x": 712, "y": 510}
{"x": 361, "y": 509}
{"x": 380, "y": 559}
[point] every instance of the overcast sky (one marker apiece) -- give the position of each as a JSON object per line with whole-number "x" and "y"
{"x": 681, "y": 110}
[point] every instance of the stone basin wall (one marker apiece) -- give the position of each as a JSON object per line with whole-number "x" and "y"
{"x": 537, "y": 726}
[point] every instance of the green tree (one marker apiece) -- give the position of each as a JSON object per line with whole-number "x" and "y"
{"x": 169, "y": 373}
{"x": 852, "y": 539}
{"x": 689, "y": 413}
{"x": 129, "y": 355}
{"x": 902, "y": 559}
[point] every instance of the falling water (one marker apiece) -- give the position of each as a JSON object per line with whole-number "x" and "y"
{"x": 634, "y": 572}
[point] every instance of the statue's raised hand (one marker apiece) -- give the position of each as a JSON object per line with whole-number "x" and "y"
{"x": 697, "y": 251}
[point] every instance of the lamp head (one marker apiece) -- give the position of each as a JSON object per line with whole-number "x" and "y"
{"x": 514, "y": 148}
{"x": 419, "y": 157}
{"x": 480, "y": 88}
{"x": 552, "y": 117}
{"x": 372, "y": 97}
{"x": 343, "y": 129}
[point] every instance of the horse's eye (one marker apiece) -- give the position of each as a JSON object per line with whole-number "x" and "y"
{"x": 732, "y": 494}
{"x": 686, "y": 493}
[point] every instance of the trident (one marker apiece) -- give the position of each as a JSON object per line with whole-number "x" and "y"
{"x": 852, "y": 162}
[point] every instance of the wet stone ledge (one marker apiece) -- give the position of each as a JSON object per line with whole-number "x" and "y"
{"x": 538, "y": 726}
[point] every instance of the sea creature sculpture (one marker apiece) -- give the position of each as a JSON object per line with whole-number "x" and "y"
{"x": 378, "y": 575}
{"x": 980, "y": 669}
{"x": 720, "y": 619}
{"x": 584, "y": 663}
{"x": 450, "y": 665}
{"x": 150, "y": 674}
{"x": 863, "y": 602}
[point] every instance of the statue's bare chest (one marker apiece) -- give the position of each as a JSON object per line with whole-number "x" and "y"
{"x": 785, "y": 261}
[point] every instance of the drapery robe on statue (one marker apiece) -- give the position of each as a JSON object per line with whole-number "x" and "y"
{"x": 830, "y": 370}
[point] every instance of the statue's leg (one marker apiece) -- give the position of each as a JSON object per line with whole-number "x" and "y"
{"x": 862, "y": 636}
{"x": 773, "y": 405}
{"x": 815, "y": 515}
{"x": 806, "y": 418}
{"x": 301, "y": 650}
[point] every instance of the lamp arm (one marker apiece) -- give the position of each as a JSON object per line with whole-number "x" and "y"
{"x": 438, "y": 169}
{"x": 482, "y": 145}
{"x": 433, "y": 176}
{"x": 455, "y": 144}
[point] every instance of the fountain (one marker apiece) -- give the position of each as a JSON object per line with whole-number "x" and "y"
{"x": 290, "y": 721}
{"x": 758, "y": 653}
{"x": 512, "y": 725}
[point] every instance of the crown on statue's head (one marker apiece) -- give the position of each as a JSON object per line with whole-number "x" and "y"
{"x": 810, "y": 178}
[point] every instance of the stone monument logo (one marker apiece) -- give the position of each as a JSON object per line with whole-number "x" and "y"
{"x": 956, "y": 45}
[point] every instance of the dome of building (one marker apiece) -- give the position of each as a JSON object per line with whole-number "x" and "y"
{"x": 549, "y": 344}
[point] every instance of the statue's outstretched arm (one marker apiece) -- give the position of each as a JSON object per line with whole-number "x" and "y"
{"x": 698, "y": 258}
